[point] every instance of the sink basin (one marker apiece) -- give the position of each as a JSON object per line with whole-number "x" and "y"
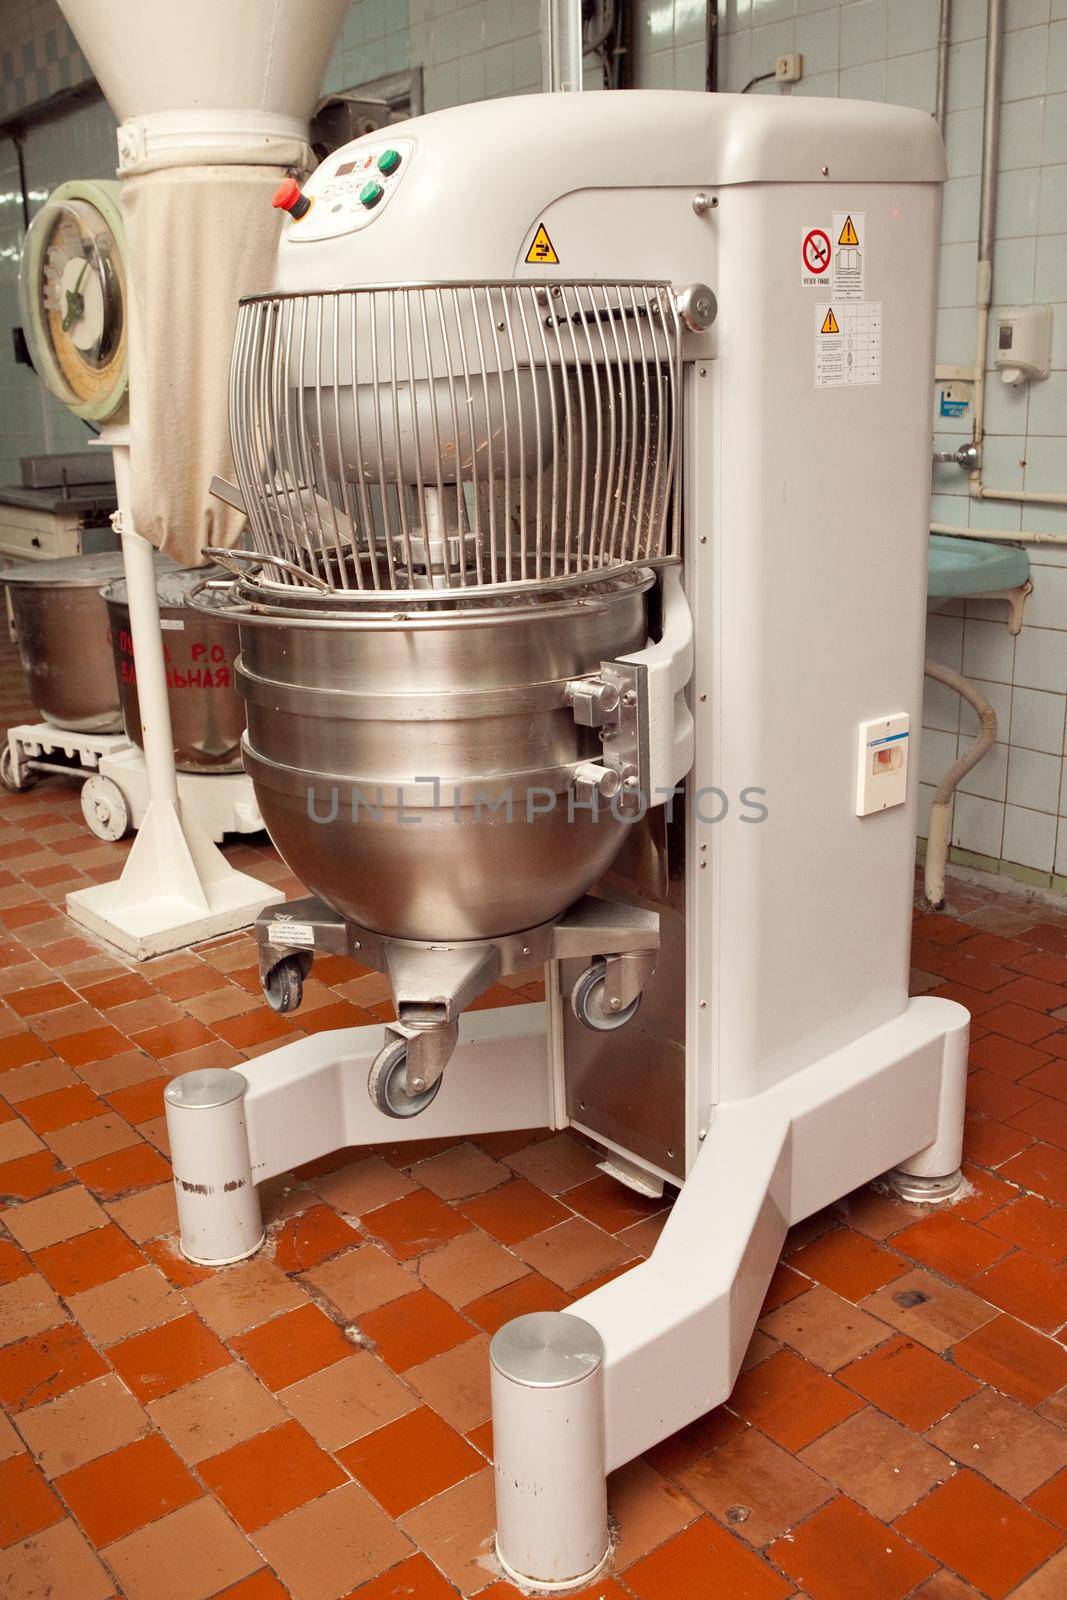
{"x": 959, "y": 567}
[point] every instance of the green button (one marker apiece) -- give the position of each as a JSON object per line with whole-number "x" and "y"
{"x": 370, "y": 194}
{"x": 388, "y": 161}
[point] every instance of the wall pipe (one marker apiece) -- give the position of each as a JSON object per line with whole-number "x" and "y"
{"x": 938, "y": 834}
{"x": 561, "y": 46}
{"x": 997, "y": 535}
{"x": 987, "y": 233}
{"x": 944, "y": 39}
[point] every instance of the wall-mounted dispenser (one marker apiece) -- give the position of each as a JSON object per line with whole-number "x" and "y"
{"x": 1023, "y": 350}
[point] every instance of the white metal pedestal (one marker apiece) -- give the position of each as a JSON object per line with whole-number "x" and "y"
{"x": 675, "y": 1329}
{"x": 176, "y": 887}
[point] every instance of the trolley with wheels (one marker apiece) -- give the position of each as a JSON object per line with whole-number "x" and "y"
{"x": 433, "y": 983}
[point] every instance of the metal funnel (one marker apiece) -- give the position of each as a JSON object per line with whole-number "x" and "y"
{"x": 243, "y": 55}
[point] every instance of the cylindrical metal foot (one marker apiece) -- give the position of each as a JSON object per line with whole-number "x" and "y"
{"x": 218, "y": 1205}
{"x": 925, "y": 1191}
{"x": 547, "y": 1377}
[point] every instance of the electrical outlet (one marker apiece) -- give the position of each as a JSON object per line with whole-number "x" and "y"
{"x": 789, "y": 69}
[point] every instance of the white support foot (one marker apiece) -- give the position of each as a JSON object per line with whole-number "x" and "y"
{"x": 546, "y": 1375}
{"x": 218, "y": 1205}
{"x": 675, "y": 1328}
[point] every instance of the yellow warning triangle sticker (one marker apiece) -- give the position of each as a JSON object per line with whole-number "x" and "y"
{"x": 829, "y": 322}
{"x": 542, "y": 252}
{"x": 848, "y": 233}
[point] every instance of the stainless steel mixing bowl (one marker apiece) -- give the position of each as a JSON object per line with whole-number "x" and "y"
{"x": 200, "y": 649}
{"x": 61, "y": 626}
{"x": 416, "y": 770}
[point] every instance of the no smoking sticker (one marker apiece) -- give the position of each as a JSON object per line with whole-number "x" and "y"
{"x": 816, "y": 254}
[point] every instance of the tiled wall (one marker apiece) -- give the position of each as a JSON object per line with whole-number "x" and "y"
{"x": 1011, "y": 813}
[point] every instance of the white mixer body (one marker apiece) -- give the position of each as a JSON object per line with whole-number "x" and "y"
{"x": 805, "y": 517}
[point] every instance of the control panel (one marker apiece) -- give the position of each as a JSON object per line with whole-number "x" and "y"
{"x": 350, "y": 189}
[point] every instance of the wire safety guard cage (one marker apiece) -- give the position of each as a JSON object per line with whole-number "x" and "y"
{"x": 443, "y": 439}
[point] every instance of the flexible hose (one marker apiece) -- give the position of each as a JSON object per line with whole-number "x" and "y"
{"x": 938, "y": 833}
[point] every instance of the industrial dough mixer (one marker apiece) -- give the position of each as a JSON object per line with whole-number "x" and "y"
{"x": 583, "y": 627}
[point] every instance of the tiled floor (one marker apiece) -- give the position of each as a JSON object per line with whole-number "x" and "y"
{"x": 314, "y": 1423}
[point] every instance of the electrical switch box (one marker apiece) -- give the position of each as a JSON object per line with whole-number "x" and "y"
{"x": 882, "y": 770}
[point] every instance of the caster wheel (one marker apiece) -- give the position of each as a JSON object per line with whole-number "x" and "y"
{"x": 284, "y": 984}
{"x": 105, "y": 808}
{"x": 387, "y": 1084}
{"x": 9, "y": 775}
{"x": 590, "y": 1006}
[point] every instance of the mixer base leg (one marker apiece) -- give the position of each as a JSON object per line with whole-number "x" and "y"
{"x": 229, "y": 1132}
{"x": 675, "y": 1329}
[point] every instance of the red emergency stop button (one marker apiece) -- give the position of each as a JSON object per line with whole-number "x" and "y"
{"x": 287, "y": 197}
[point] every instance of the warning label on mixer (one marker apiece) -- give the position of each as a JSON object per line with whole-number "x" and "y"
{"x": 542, "y": 251}
{"x": 848, "y": 234}
{"x": 848, "y": 343}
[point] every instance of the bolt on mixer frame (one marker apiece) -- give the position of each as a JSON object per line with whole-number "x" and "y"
{"x": 776, "y": 1062}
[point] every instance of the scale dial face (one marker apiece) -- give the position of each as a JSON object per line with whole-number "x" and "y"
{"x": 73, "y": 288}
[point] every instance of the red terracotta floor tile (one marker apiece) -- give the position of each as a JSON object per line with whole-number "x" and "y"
{"x": 59, "y": 1109}
{"x": 89, "y": 1044}
{"x": 848, "y": 1263}
{"x": 609, "y": 1204}
{"x": 909, "y": 1382}
{"x": 262, "y": 1585}
{"x": 19, "y": 1049}
{"x": 1002, "y": 1441}
{"x": 167, "y": 1358}
{"x": 514, "y": 1211}
{"x": 171, "y": 1037}
{"x": 332, "y": 1544}
{"x": 1027, "y": 1288}
{"x": 410, "y": 1460}
{"x": 414, "y": 1224}
{"x": 414, "y": 1329}
{"x": 271, "y": 1474}
{"x": 170, "y": 1261}
{"x": 88, "y": 1259}
{"x": 1017, "y": 1022}
{"x": 791, "y": 1400}
{"x": 198, "y": 1548}
{"x": 116, "y": 991}
{"x": 27, "y": 1504}
{"x": 1041, "y": 1168}
{"x": 1033, "y": 1224}
{"x": 705, "y": 1560}
{"x": 139, "y": 1101}
{"x": 774, "y": 1488}
{"x": 292, "y": 1346}
{"x": 41, "y": 997}
{"x": 1050, "y": 1501}
{"x": 311, "y": 1238}
{"x": 137, "y": 1167}
{"x": 532, "y": 1293}
{"x": 1014, "y": 1359}
{"x": 117, "y": 1493}
{"x": 979, "y": 1532}
{"x": 416, "y": 1579}
{"x": 41, "y": 1368}
{"x": 13, "y": 1263}
{"x": 460, "y": 1173}
{"x": 957, "y": 1249}
{"x": 33, "y": 1175}
{"x": 843, "y": 1553}
{"x": 1006, "y": 1058}
{"x": 29, "y": 1569}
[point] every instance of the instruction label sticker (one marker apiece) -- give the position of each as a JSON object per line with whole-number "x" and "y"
{"x": 848, "y": 343}
{"x": 849, "y": 235}
{"x": 816, "y": 253}
{"x": 542, "y": 252}
{"x": 291, "y": 933}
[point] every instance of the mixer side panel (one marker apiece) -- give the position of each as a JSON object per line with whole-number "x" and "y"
{"x": 818, "y": 619}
